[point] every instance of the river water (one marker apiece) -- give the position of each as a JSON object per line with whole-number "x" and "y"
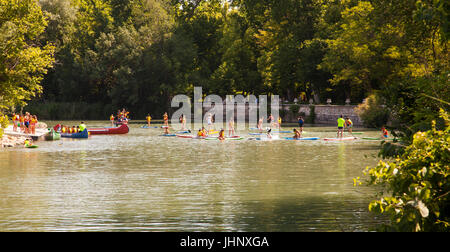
{"x": 144, "y": 182}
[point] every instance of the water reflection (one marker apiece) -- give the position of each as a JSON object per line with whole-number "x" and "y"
{"x": 145, "y": 182}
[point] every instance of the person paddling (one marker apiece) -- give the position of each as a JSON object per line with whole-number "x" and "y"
{"x": 349, "y": 125}
{"x": 82, "y": 126}
{"x": 231, "y": 128}
{"x": 384, "y": 133}
{"x": 111, "y": 118}
{"x": 341, "y": 123}
{"x": 222, "y": 134}
{"x": 269, "y": 133}
{"x": 166, "y": 119}
{"x": 301, "y": 121}
{"x": 149, "y": 120}
{"x": 298, "y": 134}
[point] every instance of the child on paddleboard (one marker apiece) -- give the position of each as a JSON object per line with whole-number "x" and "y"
{"x": 349, "y": 124}
{"x": 222, "y": 134}
{"x": 384, "y": 133}
{"x": 269, "y": 133}
{"x": 297, "y": 133}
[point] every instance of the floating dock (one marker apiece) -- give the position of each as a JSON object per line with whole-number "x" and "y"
{"x": 39, "y": 134}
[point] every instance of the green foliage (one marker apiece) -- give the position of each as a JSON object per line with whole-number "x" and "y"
{"x": 23, "y": 62}
{"x": 418, "y": 183}
{"x": 294, "y": 108}
{"x": 3, "y": 123}
{"x": 373, "y": 112}
{"x": 312, "y": 114}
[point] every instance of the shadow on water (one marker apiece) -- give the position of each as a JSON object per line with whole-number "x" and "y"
{"x": 287, "y": 215}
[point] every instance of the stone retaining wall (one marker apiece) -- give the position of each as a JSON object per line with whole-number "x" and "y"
{"x": 324, "y": 114}
{"x": 328, "y": 114}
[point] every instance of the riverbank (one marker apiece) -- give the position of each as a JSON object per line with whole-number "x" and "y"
{"x": 12, "y": 141}
{"x": 13, "y": 138}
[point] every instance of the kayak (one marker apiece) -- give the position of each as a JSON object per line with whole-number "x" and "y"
{"x": 31, "y": 146}
{"x": 52, "y": 135}
{"x": 122, "y": 129}
{"x": 340, "y": 139}
{"x": 303, "y": 138}
{"x": 84, "y": 134}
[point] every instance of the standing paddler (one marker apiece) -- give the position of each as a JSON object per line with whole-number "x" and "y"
{"x": 341, "y": 123}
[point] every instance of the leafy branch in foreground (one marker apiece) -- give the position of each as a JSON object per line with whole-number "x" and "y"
{"x": 418, "y": 182}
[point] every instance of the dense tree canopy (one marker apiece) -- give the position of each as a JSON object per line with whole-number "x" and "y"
{"x": 138, "y": 54}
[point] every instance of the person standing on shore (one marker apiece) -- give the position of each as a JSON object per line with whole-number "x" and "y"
{"x": 341, "y": 123}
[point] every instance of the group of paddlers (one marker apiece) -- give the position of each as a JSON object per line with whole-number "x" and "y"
{"x": 24, "y": 123}
{"x": 122, "y": 117}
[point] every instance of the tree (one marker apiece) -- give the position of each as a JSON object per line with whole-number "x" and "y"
{"x": 23, "y": 60}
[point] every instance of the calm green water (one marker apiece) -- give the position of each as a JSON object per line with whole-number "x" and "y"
{"x": 144, "y": 182}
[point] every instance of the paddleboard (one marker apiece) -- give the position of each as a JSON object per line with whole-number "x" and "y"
{"x": 185, "y": 136}
{"x": 151, "y": 127}
{"x": 169, "y": 135}
{"x": 183, "y": 132}
{"x": 234, "y": 138}
{"x": 216, "y": 138}
{"x": 356, "y": 133}
{"x": 255, "y": 134}
{"x": 374, "y": 138}
{"x": 303, "y": 138}
{"x": 282, "y": 131}
{"x": 340, "y": 139}
{"x": 31, "y": 146}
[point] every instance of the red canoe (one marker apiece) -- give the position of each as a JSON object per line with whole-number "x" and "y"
{"x": 122, "y": 129}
